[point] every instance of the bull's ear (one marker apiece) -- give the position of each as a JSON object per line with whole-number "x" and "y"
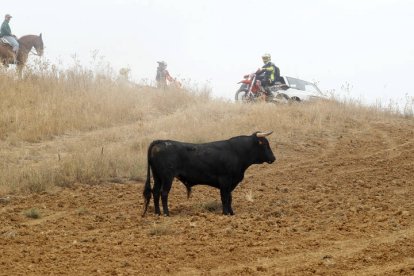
{"x": 40, "y": 35}
{"x": 263, "y": 134}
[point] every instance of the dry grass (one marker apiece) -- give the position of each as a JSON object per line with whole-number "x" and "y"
{"x": 249, "y": 196}
{"x": 32, "y": 213}
{"x": 161, "y": 228}
{"x": 210, "y": 206}
{"x": 61, "y": 127}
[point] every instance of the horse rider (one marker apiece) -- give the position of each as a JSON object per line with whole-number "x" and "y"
{"x": 163, "y": 75}
{"x": 268, "y": 74}
{"x": 5, "y": 32}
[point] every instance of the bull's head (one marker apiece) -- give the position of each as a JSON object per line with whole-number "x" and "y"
{"x": 265, "y": 152}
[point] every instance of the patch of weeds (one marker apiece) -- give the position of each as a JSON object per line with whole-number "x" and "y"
{"x": 211, "y": 206}
{"x": 36, "y": 181}
{"x": 82, "y": 211}
{"x": 249, "y": 196}
{"x": 5, "y": 200}
{"x": 118, "y": 180}
{"x": 160, "y": 229}
{"x": 137, "y": 178}
{"x": 32, "y": 213}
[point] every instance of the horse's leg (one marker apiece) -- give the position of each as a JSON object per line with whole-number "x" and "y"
{"x": 5, "y": 55}
{"x": 21, "y": 61}
{"x": 19, "y": 68}
{"x": 5, "y": 63}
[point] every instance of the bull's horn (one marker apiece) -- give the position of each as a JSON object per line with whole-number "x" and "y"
{"x": 263, "y": 134}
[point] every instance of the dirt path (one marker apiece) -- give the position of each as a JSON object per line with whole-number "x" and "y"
{"x": 25, "y": 152}
{"x": 342, "y": 206}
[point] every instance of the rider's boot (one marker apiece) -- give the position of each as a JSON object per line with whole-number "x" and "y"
{"x": 268, "y": 93}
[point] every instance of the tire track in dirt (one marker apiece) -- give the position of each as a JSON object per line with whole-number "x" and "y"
{"x": 325, "y": 255}
{"x": 402, "y": 267}
{"x": 393, "y": 149}
{"x": 394, "y": 146}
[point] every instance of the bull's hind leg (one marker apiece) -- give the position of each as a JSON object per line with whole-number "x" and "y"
{"x": 156, "y": 192}
{"x": 165, "y": 189}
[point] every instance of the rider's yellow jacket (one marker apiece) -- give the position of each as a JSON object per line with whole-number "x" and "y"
{"x": 270, "y": 71}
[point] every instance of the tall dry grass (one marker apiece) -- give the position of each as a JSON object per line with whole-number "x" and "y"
{"x": 58, "y": 127}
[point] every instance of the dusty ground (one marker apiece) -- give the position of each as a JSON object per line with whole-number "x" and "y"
{"x": 341, "y": 205}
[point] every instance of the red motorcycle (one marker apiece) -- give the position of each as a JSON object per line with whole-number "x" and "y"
{"x": 251, "y": 90}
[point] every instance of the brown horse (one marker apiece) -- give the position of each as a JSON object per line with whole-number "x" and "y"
{"x": 26, "y": 44}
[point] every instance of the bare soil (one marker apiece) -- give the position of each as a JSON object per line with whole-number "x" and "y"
{"x": 341, "y": 204}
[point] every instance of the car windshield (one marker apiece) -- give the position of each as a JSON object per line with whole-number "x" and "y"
{"x": 303, "y": 85}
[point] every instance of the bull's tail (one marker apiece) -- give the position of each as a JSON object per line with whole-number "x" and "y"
{"x": 147, "y": 188}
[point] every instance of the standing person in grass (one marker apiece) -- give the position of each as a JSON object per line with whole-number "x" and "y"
{"x": 5, "y": 32}
{"x": 163, "y": 76}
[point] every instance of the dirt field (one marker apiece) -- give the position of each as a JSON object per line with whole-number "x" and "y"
{"x": 339, "y": 205}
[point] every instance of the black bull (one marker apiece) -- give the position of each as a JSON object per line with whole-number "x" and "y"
{"x": 219, "y": 164}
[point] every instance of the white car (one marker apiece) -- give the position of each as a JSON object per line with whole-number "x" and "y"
{"x": 298, "y": 90}
{"x": 286, "y": 89}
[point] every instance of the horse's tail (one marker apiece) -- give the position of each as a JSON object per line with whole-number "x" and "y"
{"x": 147, "y": 188}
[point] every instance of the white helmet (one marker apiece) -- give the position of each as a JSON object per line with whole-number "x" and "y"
{"x": 266, "y": 58}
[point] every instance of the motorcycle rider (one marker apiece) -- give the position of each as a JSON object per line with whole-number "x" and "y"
{"x": 268, "y": 74}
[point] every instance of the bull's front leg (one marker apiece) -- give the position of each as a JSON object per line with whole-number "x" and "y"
{"x": 230, "y": 208}
{"x": 226, "y": 201}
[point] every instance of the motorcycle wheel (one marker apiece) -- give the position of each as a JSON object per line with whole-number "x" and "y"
{"x": 241, "y": 96}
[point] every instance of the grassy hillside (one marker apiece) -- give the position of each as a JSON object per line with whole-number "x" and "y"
{"x": 59, "y": 127}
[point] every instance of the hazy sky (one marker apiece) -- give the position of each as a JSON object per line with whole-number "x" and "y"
{"x": 367, "y": 44}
